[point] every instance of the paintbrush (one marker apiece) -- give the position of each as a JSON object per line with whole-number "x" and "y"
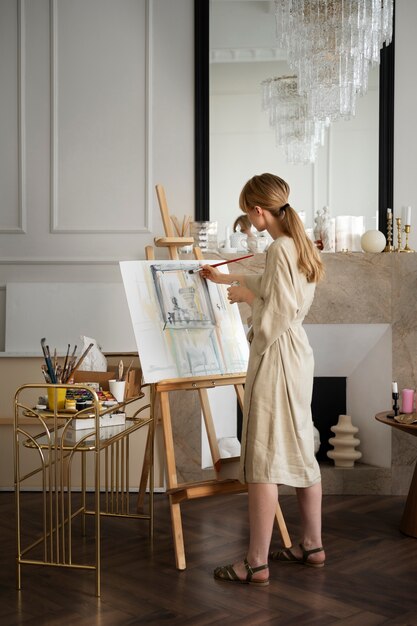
{"x": 198, "y": 269}
{"x": 72, "y": 360}
{"x": 64, "y": 367}
{"x": 80, "y": 360}
{"x": 47, "y": 356}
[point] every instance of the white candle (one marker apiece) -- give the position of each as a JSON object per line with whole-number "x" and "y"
{"x": 394, "y": 388}
{"x": 406, "y": 216}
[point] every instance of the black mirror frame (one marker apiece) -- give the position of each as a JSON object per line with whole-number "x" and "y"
{"x": 202, "y": 120}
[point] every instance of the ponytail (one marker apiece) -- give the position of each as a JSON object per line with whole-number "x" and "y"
{"x": 309, "y": 261}
{"x": 271, "y": 193}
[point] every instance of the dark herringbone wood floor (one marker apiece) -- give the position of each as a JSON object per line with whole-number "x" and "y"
{"x": 370, "y": 576}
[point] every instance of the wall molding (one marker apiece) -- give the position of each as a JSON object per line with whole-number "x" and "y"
{"x": 21, "y": 127}
{"x": 69, "y": 261}
{"x": 54, "y": 210}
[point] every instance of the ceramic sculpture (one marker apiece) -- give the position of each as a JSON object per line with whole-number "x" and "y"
{"x": 344, "y": 443}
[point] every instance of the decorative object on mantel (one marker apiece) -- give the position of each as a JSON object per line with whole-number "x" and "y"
{"x": 205, "y": 235}
{"x": 349, "y": 230}
{"x": 373, "y": 241}
{"x": 344, "y": 443}
{"x": 325, "y": 230}
{"x": 389, "y": 247}
{"x": 406, "y": 220}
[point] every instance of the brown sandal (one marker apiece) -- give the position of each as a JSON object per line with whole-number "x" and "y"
{"x": 286, "y": 556}
{"x": 226, "y": 573}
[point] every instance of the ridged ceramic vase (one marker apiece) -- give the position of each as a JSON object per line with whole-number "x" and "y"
{"x": 344, "y": 443}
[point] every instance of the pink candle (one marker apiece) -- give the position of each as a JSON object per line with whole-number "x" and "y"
{"x": 407, "y": 400}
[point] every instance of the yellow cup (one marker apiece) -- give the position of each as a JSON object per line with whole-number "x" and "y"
{"x": 56, "y": 394}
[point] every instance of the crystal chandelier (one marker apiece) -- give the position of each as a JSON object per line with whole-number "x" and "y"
{"x": 299, "y": 135}
{"x": 331, "y": 44}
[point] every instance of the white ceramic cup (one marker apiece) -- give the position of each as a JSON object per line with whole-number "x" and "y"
{"x": 117, "y": 389}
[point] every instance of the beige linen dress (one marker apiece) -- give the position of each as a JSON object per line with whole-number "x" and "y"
{"x": 277, "y": 437}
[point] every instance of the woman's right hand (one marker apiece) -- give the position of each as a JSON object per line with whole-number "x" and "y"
{"x": 212, "y": 273}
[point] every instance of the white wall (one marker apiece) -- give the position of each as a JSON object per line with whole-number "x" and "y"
{"x": 93, "y": 115}
{"x": 405, "y": 127}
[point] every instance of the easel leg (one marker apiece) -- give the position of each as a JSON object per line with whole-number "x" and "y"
{"x": 172, "y": 481}
{"x": 177, "y": 534}
{"x": 210, "y": 430}
{"x": 282, "y": 527}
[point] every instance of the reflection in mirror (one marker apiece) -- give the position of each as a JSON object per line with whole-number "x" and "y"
{"x": 345, "y": 176}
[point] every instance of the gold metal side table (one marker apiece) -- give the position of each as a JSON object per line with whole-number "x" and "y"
{"x": 55, "y": 450}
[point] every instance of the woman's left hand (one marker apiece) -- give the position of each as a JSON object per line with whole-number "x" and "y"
{"x": 237, "y": 293}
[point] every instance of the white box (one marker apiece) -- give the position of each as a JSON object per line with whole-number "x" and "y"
{"x": 110, "y": 419}
{"x": 107, "y": 432}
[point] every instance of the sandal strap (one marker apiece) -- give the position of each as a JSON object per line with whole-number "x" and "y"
{"x": 252, "y": 570}
{"x": 306, "y": 553}
{"x": 226, "y": 572}
{"x": 283, "y": 555}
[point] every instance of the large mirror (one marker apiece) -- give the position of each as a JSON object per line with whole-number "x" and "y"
{"x": 235, "y": 51}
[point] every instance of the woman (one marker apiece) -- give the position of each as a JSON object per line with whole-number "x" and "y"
{"x": 277, "y": 438}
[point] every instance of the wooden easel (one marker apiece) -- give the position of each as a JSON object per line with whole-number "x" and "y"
{"x": 180, "y": 492}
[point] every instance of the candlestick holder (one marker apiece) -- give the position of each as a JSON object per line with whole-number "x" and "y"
{"x": 389, "y": 247}
{"x": 407, "y": 248}
{"x": 395, "y": 406}
{"x": 399, "y": 235}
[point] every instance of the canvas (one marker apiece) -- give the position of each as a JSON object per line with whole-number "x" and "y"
{"x": 184, "y": 326}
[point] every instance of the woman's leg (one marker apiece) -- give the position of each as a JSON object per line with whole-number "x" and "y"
{"x": 262, "y": 503}
{"x": 309, "y": 502}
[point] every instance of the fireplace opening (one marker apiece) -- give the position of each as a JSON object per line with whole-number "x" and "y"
{"x": 328, "y": 402}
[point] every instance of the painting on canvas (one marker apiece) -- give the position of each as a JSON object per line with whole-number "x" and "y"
{"x": 184, "y": 326}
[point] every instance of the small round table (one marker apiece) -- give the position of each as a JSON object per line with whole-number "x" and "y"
{"x": 408, "y": 524}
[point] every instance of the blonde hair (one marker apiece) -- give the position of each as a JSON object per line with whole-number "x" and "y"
{"x": 271, "y": 193}
{"x": 242, "y": 221}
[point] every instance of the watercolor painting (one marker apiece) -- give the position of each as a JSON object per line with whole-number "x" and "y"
{"x": 184, "y": 326}
{"x": 183, "y": 298}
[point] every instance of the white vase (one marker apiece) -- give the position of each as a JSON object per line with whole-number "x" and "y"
{"x": 344, "y": 443}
